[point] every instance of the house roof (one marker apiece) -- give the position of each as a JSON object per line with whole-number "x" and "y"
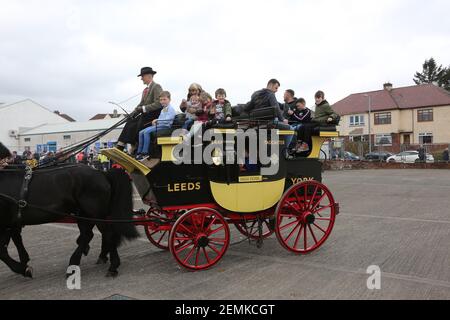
{"x": 419, "y": 96}
{"x": 72, "y": 127}
{"x": 102, "y": 116}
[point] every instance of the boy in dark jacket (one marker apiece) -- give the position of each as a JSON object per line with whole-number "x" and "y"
{"x": 324, "y": 114}
{"x": 301, "y": 114}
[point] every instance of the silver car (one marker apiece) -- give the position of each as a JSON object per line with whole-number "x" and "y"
{"x": 409, "y": 157}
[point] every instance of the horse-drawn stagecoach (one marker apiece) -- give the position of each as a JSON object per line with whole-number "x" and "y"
{"x": 192, "y": 205}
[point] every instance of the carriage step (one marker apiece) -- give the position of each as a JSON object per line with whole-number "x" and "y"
{"x": 150, "y": 163}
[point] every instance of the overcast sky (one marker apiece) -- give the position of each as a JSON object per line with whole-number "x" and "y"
{"x": 75, "y": 56}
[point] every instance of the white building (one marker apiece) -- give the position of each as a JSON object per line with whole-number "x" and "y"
{"x": 23, "y": 115}
{"x": 52, "y": 137}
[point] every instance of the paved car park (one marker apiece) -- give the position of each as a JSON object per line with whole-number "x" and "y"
{"x": 398, "y": 220}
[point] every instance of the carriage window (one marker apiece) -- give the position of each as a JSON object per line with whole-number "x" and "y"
{"x": 383, "y": 118}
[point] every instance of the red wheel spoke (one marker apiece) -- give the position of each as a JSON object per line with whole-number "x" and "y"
{"x": 288, "y": 225}
{"x": 305, "y": 240}
{"x": 182, "y": 239}
{"x": 187, "y": 230}
{"x": 312, "y": 233}
{"x": 215, "y": 231}
{"x": 292, "y": 232}
{"x": 184, "y": 247}
{"x": 215, "y": 250}
{"x": 314, "y": 195}
{"x": 211, "y": 224}
{"x": 203, "y": 221}
{"x": 189, "y": 255}
{"x": 299, "y": 200}
{"x": 322, "y": 209}
{"x": 196, "y": 256}
{"x": 318, "y": 201}
{"x": 206, "y": 255}
{"x": 292, "y": 206}
{"x": 162, "y": 236}
{"x": 298, "y": 237}
{"x": 218, "y": 240}
{"x": 319, "y": 228}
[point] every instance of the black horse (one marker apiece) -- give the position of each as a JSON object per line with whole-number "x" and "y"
{"x": 72, "y": 189}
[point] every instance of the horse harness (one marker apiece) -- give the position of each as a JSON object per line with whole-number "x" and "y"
{"x": 22, "y": 202}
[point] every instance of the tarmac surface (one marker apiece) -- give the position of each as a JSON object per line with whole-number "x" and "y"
{"x": 398, "y": 220}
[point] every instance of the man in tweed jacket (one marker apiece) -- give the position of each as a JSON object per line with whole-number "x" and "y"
{"x": 147, "y": 110}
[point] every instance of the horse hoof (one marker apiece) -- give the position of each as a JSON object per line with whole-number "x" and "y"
{"x": 112, "y": 274}
{"x": 102, "y": 261}
{"x": 28, "y": 272}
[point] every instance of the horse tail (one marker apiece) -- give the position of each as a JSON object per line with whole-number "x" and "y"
{"x": 4, "y": 152}
{"x": 121, "y": 204}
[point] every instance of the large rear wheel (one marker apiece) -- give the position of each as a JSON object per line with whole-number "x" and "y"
{"x": 205, "y": 238}
{"x": 305, "y": 217}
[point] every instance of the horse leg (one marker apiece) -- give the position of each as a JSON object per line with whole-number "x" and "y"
{"x": 19, "y": 268}
{"x": 103, "y": 258}
{"x": 18, "y": 241}
{"x": 83, "y": 241}
{"x": 114, "y": 255}
{"x": 110, "y": 242}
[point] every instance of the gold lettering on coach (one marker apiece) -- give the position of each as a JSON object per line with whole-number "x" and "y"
{"x": 184, "y": 187}
{"x": 298, "y": 180}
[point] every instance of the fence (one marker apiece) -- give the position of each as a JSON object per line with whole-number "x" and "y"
{"x": 337, "y": 149}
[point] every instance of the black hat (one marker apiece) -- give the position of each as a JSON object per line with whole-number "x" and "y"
{"x": 146, "y": 70}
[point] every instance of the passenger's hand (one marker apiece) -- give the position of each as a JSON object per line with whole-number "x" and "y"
{"x": 290, "y": 112}
{"x": 286, "y": 121}
{"x": 228, "y": 119}
{"x": 154, "y": 122}
{"x": 330, "y": 119}
{"x": 139, "y": 109}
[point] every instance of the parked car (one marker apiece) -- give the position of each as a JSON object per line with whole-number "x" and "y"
{"x": 350, "y": 156}
{"x": 378, "y": 156}
{"x": 409, "y": 157}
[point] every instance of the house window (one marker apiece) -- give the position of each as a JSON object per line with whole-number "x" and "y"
{"x": 425, "y": 115}
{"x": 27, "y": 139}
{"x": 383, "y": 140}
{"x": 426, "y": 138}
{"x": 67, "y": 137}
{"x": 383, "y": 118}
{"x": 357, "y": 121}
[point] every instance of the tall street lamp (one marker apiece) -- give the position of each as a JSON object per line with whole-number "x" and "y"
{"x": 370, "y": 110}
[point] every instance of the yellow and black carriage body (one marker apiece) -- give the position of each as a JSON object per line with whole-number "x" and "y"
{"x": 192, "y": 205}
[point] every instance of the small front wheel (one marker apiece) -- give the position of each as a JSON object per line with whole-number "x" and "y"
{"x": 205, "y": 238}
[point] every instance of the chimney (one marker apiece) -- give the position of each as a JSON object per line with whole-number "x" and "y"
{"x": 115, "y": 114}
{"x": 387, "y": 86}
{"x": 57, "y": 112}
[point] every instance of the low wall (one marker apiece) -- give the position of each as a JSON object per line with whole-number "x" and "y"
{"x": 366, "y": 165}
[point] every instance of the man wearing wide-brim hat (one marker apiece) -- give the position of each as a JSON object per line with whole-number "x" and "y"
{"x": 148, "y": 110}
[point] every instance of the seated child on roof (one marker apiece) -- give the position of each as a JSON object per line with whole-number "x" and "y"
{"x": 164, "y": 121}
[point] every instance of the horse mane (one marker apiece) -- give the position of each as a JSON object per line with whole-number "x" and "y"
{"x": 4, "y": 152}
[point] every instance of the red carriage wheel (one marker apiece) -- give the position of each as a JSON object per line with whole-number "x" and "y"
{"x": 204, "y": 236}
{"x": 249, "y": 228}
{"x": 305, "y": 217}
{"x": 159, "y": 236}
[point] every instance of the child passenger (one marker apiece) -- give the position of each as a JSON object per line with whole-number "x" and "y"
{"x": 221, "y": 108}
{"x": 164, "y": 121}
